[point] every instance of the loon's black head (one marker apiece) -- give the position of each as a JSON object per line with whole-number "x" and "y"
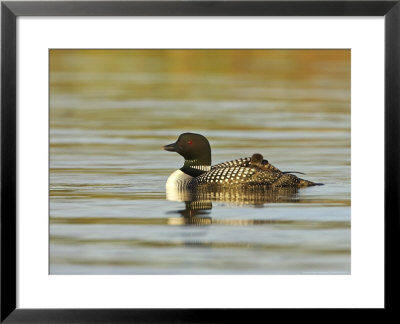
{"x": 195, "y": 148}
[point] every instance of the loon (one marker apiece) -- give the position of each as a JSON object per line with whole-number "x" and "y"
{"x": 250, "y": 171}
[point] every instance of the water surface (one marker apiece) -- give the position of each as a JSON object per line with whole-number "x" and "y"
{"x": 112, "y": 111}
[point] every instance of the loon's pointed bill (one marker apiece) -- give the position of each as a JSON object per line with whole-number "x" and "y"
{"x": 170, "y": 147}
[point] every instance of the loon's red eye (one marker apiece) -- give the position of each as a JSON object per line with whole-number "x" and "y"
{"x": 189, "y": 142}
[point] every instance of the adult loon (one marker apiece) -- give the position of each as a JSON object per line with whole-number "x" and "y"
{"x": 250, "y": 171}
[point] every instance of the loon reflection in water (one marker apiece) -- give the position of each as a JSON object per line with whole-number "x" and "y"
{"x": 198, "y": 201}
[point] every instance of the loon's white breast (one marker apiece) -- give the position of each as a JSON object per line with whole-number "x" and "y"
{"x": 178, "y": 179}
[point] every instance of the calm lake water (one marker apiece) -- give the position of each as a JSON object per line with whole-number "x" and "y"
{"x": 112, "y": 111}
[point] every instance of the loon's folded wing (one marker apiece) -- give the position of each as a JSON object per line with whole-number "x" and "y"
{"x": 224, "y": 175}
{"x": 251, "y": 176}
{"x": 236, "y": 175}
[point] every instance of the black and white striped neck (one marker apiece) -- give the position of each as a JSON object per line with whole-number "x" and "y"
{"x": 195, "y": 168}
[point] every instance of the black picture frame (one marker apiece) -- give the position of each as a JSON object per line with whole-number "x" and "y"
{"x": 10, "y": 10}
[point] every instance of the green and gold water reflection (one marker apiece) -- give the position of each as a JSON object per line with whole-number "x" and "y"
{"x": 111, "y": 111}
